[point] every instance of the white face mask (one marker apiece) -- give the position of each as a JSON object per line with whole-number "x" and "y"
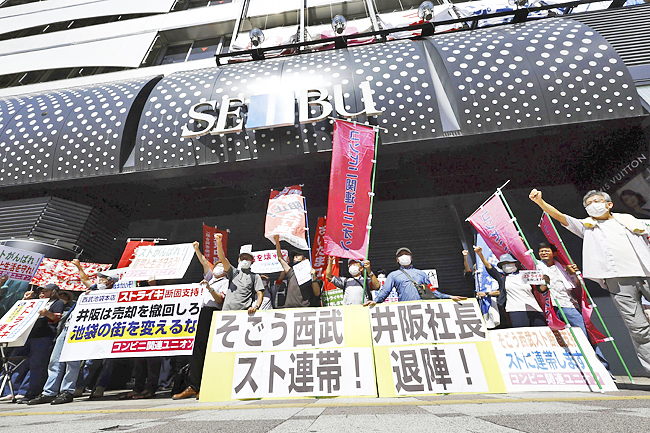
{"x": 354, "y": 270}
{"x": 509, "y": 268}
{"x": 404, "y": 260}
{"x": 218, "y": 270}
{"x": 101, "y": 286}
{"x": 596, "y": 209}
{"x": 245, "y": 264}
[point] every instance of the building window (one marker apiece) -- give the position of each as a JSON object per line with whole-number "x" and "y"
{"x": 204, "y": 49}
{"x": 176, "y": 54}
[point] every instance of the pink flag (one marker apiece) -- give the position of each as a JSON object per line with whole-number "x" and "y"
{"x": 494, "y": 224}
{"x": 563, "y": 257}
{"x": 348, "y": 209}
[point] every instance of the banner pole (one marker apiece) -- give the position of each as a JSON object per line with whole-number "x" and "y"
{"x": 584, "y": 287}
{"x": 372, "y": 200}
{"x": 521, "y": 233}
{"x": 488, "y": 199}
{"x": 304, "y": 202}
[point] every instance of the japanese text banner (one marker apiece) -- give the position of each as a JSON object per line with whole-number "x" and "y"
{"x": 19, "y": 265}
{"x": 66, "y": 275}
{"x": 289, "y": 353}
{"x": 266, "y": 262}
{"x": 540, "y": 359}
{"x": 16, "y": 324}
{"x": 417, "y": 350}
{"x": 129, "y": 252}
{"x": 210, "y": 245}
{"x": 162, "y": 262}
{"x": 348, "y": 208}
{"x": 286, "y": 217}
{"x": 319, "y": 258}
{"x": 146, "y": 321}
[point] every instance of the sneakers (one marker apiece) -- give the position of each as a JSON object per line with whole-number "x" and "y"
{"x": 41, "y": 399}
{"x": 64, "y": 397}
{"x": 8, "y": 397}
{"x": 188, "y": 393}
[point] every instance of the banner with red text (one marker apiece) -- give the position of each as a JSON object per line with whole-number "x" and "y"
{"x": 146, "y": 321}
{"x": 129, "y": 252}
{"x": 161, "y": 262}
{"x": 18, "y": 322}
{"x": 493, "y": 222}
{"x": 286, "y": 217}
{"x": 563, "y": 257}
{"x": 319, "y": 258}
{"x": 65, "y": 275}
{"x": 210, "y": 245}
{"x": 19, "y": 265}
{"x": 348, "y": 208}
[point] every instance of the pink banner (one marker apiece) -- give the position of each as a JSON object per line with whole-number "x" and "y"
{"x": 348, "y": 209}
{"x": 494, "y": 224}
{"x": 563, "y": 257}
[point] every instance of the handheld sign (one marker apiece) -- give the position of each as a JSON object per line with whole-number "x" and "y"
{"x": 533, "y": 277}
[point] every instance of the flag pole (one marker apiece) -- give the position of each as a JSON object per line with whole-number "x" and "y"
{"x": 488, "y": 199}
{"x": 372, "y": 200}
{"x": 566, "y": 321}
{"x": 304, "y": 203}
{"x": 584, "y": 287}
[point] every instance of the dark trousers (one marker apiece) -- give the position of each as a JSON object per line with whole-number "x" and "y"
{"x": 523, "y": 319}
{"x": 146, "y": 372}
{"x": 39, "y": 351}
{"x": 200, "y": 347}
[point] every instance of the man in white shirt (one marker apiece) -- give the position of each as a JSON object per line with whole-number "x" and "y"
{"x": 616, "y": 254}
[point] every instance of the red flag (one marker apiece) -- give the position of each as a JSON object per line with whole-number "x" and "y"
{"x": 494, "y": 224}
{"x": 209, "y": 244}
{"x": 348, "y": 208}
{"x": 285, "y": 217}
{"x": 319, "y": 258}
{"x": 563, "y": 257}
{"x": 129, "y": 252}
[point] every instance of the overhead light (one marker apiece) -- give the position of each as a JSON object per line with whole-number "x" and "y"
{"x": 338, "y": 24}
{"x": 257, "y": 37}
{"x": 425, "y": 11}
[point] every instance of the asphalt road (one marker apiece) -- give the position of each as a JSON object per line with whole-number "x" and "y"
{"x": 623, "y": 411}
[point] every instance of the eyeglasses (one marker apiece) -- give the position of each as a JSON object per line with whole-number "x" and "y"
{"x": 601, "y": 200}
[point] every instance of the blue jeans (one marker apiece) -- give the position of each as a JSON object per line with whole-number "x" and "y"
{"x": 575, "y": 319}
{"x": 38, "y": 350}
{"x": 92, "y": 365}
{"x": 61, "y": 376}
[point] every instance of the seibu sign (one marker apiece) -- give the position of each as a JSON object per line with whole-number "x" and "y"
{"x": 273, "y": 110}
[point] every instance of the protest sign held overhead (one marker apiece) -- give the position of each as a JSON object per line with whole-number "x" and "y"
{"x": 161, "y": 262}
{"x": 66, "y": 275}
{"x": 266, "y": 262}
{"x": 16, "y": 324}
{"x": 129, "y": 252}
{"x": 210, "y": 245}
{"x": 348, "y": 206}
{"x": 18, "y": 264}
{"x": 146, "y": 321}
{"x": 286, "y": 217}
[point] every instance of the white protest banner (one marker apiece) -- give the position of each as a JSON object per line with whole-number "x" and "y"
{"x": 285, "y": 217}
{"x": 17, "y": 323}
{"x": 117, "y": 275}
{"x": 433, "y": 277}
{"x": 266, "y": 262}
{"x": 540, "y": 359}
{"x": 162, "y": 262}
{"x": 415, "y": 336}
{"x": 533, "y": 277}
{"x": 147, "y": 321}
{"x": 19, "y": 265}
{"x": 302, "y": 271}
{"x": 299, "y": 352}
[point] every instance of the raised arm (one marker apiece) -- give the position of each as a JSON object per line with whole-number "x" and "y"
{"x": 373, "y": 277}
{"x": 479, "y": 253}
{"x": 465, "y": 262}
{"x": 285, "y": 265}
{"x": 536, "y": 196}
{"x": 199, "y": 255}
{"x": 82, "y": 275}
{"x": 218, "y": 237}
{"x": 328, "y": 271}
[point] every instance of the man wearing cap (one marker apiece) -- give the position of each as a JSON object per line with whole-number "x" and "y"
{"x": 352, "y": 287}
{"x": 246, "y": 290}
{"x": 402, "y": 280}
{"x": 516, "y": 295}
{"x": 305, "y": 295}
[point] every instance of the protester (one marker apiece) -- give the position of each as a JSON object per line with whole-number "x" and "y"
{"x": 616, "y": 254}
{"x": 305, "y": 295}
{"x": 104, "y": 282}
{"x": 246, "y": 290}
{"x": 561, "y": 286}
{"x": 215, "y": 286}
{"x": 514, "y": 294}
{"x": 353, "y": 287}
{"x": 39, "y": 345}
{"x": 404, "y": 280}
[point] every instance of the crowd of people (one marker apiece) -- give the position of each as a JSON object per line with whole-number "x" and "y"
{"x": 616, "y": 254}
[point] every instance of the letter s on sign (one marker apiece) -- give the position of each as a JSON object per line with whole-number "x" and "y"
{"x": 200, "y": 117}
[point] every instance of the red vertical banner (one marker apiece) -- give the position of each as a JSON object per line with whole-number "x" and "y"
{"x": 319, "y": 258}
{"x": 348, "y": 208}
{"x": 129, "y": 252}
{"x": 547, "y": 227}
{"x": 210, "y": 245}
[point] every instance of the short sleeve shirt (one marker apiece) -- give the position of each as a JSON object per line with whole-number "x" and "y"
{"x": 352, "y": 289}
{"x": 300, "y": 296}
{"x": 241, "y": 290}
